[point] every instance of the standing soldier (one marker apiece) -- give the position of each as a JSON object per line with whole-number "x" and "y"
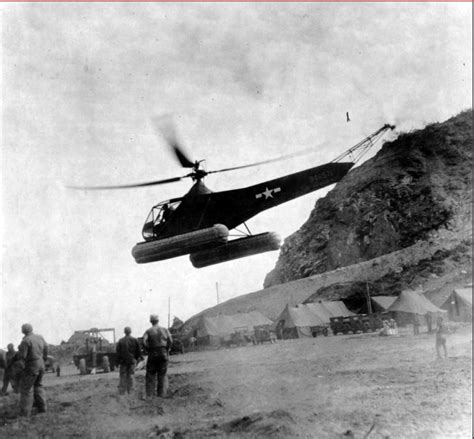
{"x": 128, "y": 353}
{"x": 416, "y": 324}
{"x": 7, "y": 377}
{"x": 441, "y": 331}
{"x": 157, "y": 341}
{"x": 16, "y": 370}
{"x": 33, "y": 350}
{"x": 429, "y": 322}
{"x": 3, "y": 364}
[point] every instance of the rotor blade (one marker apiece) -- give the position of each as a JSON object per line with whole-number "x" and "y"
{"x": 263, "y": 162}
{"x": 166, "y": 128}
{"x": 185, "y": 162}
{"x": 127, "y": 186}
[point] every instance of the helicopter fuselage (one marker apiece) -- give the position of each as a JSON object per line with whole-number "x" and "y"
{"x": 200, "y": 208}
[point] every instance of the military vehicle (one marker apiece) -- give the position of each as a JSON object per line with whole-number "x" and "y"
{"x": 97, "y": 354}
{"x": 356, "y": 323}
{"x": 241, "y": 336}
{"x": 264, "y": 333}
{"x": 51, "y": 365}
{"x": 177, "y": 347}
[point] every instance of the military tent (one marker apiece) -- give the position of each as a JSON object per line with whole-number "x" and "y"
{"x": 302, "y": 320}
{"x": 459, "y": 305}
{"x": 336, "y": 308}
{"x": 413, "y": 303}
{"x": 205, "y": 331}
{"x": 252, "y": 319}
{"x": 213, "y": 330}
{"x": 382, "y": 303}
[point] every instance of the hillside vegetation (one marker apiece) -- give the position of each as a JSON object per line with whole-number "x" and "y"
{"x": 414, "y": 187}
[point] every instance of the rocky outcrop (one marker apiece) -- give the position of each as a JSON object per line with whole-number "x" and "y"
{"x": 400, "y": 220}
{"x": 414, "y": 188}
{"x": 435, "y": 269}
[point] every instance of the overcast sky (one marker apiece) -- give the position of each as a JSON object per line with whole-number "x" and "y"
{"x": 244, "y": 82}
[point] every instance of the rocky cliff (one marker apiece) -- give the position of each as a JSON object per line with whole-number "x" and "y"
{"x": 416, "y": 187}
{"x": 400, "y": 220}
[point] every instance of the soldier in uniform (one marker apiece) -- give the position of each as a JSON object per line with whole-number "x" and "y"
{"x": 157, "y": 341}
{"x": 33, "y": 350}
{"x": 3, "y": 364}
{"x": 16, "y": 370}
{"x": 416, "y": 324}
{"x": 128, "y": 354}
{"x": 7, "y": 377}
{"x": 429, "y": 322}
{"x": 441, "y": 331}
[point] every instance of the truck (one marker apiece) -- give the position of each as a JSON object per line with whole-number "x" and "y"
{"x": 356, "y": 323}
{"x": 97, "y": 354}
{"x": 264, "y": 333}
{"x": 51, "y": 365}
{"x": 240, "y": 337}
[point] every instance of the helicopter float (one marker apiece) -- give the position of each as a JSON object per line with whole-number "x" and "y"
{"x": 199, "y": 222}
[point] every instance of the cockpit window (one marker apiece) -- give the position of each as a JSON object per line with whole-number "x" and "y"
{"x": 157, "y": 218}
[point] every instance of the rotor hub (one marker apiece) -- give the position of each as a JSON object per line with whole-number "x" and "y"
{"x": 198, "y": 174}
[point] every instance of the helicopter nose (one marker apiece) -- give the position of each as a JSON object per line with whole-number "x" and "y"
{"x": 147, "y": 231}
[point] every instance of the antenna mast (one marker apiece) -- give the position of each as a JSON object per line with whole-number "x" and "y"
{"x": 169, "y": 311}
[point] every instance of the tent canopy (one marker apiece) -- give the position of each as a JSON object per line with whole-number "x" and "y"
{"x": 222, "y": 325}
{"x": 205, "y": 326}
{"x": 414, "y": 303}
{"x": 253, "y": 318}
{"x": 383, "y": 302}
{"x": 337, "y": 308}
{"x": 305, "y": 315}
{"x": 465, "y": 295}
{"x": 459, "y": 304}
{"x": 312, "y": 314}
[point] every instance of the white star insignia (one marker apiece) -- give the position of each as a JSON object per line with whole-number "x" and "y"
{"x": 268, "y": 193}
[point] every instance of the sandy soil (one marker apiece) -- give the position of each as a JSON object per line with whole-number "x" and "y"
{"x": 346, "y": 386}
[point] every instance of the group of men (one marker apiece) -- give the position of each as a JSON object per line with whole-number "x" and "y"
{"x": 390, "y": 327}
{"x": 24, "y": 369}
{"x": 157, "y": 343}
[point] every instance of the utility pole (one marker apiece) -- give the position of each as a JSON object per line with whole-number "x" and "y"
{"x": 217, "y": 292}
{"x": 369, "y": 303}
{"x": 169, "y": 311}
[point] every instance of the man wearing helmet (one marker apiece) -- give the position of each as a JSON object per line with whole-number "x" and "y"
{"x": 33, "y": 350}
{"x": 157, "y": 341}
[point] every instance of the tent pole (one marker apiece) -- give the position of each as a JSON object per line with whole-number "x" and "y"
{"x": 369, "y": 304}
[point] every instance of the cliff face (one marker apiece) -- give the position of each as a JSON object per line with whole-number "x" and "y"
{"x": 415, "y": 187}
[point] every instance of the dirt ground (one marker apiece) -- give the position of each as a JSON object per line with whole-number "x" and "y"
{"x": 360, "y": 386}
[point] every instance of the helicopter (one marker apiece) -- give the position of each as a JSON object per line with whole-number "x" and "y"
{"x": 199, "y": 222}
